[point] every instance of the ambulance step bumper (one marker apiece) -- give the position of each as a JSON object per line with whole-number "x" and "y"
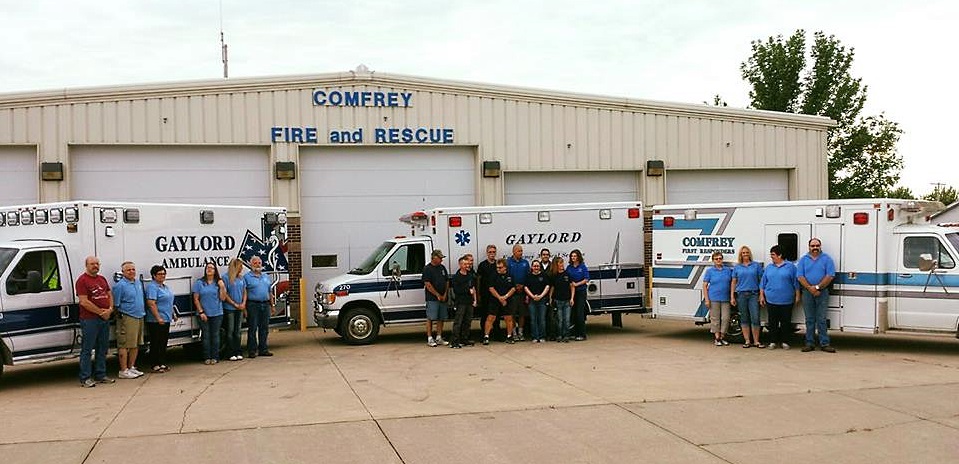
{"x": 326, "y": 319}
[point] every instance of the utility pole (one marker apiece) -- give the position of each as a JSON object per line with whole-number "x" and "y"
{"x": 223, "y": 50}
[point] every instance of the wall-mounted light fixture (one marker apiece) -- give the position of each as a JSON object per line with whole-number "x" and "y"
{"x": 51, "y": 171}
{"x": 491, "y": 169}
{"x": 655, "y": 168}
{"x": 285, "y": 170}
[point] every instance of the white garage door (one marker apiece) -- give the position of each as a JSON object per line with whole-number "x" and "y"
{"x": 718, "y": 186}
{"x": 532, "y": 188}
{"x": 226, "y": 175}
{"x": 352, "y": 198}
{"x": 21, "y": 179}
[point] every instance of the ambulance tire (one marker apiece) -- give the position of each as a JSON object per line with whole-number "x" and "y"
{"x": 361, "y": 326}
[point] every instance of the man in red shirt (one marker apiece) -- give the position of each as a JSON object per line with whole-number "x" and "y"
{"x": 96, "y": 307}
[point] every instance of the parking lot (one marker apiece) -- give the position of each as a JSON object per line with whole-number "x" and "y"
{"x": 655, "y": 391}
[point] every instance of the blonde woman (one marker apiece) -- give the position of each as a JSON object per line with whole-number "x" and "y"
{"x": 234, "y": 308}
{"x": 745, "y": 284}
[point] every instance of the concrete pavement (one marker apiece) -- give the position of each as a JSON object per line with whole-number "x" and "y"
{"x": 654, "y": 391}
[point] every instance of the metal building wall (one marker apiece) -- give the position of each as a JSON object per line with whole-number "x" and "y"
{"x": 525, "y": 129}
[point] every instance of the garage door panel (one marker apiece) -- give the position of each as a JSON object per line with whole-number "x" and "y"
{"x": 718, "y": 186}
{"x": 529, "y": 188}
{"x": 21, "y": 184}
{"x": 176, "y": 174}
{"x": 352, "y": 197}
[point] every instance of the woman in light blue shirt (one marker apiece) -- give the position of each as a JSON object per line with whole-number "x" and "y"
{"x": 234, "y": 307}
{"x": 208, "y": 295}
{"x": 159, "y": 316}
{"x": 746, "y": 276}
{"x": 717, "y": 296}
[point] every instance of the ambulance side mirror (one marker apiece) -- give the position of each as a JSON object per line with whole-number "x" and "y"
{"x": 34, "y": 282}
{"x": 926, "y": 263}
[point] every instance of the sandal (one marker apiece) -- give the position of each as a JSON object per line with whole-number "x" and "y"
{"x": 747, "y": 345}
{"x": 759, "y": 345}
{"x": 158, "y": 370}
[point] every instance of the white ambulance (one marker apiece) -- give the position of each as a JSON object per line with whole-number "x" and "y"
{"x": 387, "y": 287}
{"x": 895, "y": 270}
{"x": 43, "y": 248}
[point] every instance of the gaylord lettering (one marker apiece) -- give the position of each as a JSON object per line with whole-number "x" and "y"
{"x": 165, "y": 243}
{"x": 542, "y": 238}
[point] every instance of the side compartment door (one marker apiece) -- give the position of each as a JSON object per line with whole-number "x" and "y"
{"x": 403, "y": 298}
{"x": 40, "y": 317}
{"x": 793, "y": 239}
{"x": 925, "y": 284}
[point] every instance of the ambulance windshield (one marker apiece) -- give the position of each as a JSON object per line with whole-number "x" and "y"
{"x": 373, "y": 259}
{"x": 6, "y": 255}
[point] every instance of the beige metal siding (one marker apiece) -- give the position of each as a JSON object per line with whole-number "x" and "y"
{"x": 525, "y": 130}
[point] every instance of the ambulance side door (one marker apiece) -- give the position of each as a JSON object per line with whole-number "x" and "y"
{"x": 925, "y": 284}
{"x": 404, "y": 298}
{"x": 40, "y": 317}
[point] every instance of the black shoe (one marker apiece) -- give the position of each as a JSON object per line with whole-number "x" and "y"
{"x": 828, "y": 349}
{"x": 806, "y": 348}
{"x": 455, "y": 345}
{"x": 266, "y": 353}
{"x": 509, "y": 340}
{"x": 251, "y": 355}
{"x": 485, "y": 340}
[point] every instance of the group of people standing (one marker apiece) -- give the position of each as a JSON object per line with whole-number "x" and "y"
{"x": 511, "y": 289}
{"x": 140, "y": 308}
{"x": 778, "y": 287}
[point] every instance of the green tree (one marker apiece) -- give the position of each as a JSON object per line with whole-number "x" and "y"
{"x": 862, "y": 158}
{"x": 945, "y": 194}
{"x": 901, "y": 192}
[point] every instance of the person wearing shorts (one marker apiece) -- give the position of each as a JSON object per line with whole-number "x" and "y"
{"x": 436, "y": 282}
{"x": 502, "y": 289}
{"x": 128, "y": 297}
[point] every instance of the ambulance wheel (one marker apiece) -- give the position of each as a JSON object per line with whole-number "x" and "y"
{"x": 360, "y": 327}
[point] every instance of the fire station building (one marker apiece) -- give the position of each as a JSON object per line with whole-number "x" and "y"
{"x": 348, "y": 153}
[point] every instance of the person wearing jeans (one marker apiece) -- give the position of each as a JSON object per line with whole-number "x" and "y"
{"x": 778, "y": 292}
{"x": 815, "y": 272}
{"x": 745, "y": 283}
{"x": 234, "y": 307}
{"x": 537, "y": 290}
{"x": 260, "y": 304}
{"x": 96, "y": 307}
{"x": 208, "y": 295}
{"x": 561, "y": 295}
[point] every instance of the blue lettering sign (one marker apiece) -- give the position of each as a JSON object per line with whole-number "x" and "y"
{"x": 381, "y": 135}
{"x": 362, "y": 98}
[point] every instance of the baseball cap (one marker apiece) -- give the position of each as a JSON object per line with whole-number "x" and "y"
{"x": 438, "y": 253}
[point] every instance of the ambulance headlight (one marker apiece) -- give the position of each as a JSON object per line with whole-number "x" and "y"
{"x": 325, "y": 299}
{"x": 281, "y": 218}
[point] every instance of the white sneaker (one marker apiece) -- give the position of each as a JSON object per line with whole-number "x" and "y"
{"x": 136, "y": 371}
{"x": 772, "y": 346}
{"x": 239, "y": 357}
{"x": 785, "y": 346}
{"x": 127, "y": 375}
{"x": 233, "y": 358}
{"x": 724, "y": 342}
{"x": 717, "y": 343}
{"x": 430, "y": 341}
{"x": 440, "y": 341}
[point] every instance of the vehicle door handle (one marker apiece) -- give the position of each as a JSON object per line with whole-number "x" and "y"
{"x": 905, "y": 276}
{"x": 64, "y": 312}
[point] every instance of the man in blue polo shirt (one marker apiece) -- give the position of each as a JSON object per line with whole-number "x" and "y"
{"x": 260, "y": 304}
{"x": 128, "y": 297}
{"x": 518, "y": 270}
{"x": 815, "y": 272}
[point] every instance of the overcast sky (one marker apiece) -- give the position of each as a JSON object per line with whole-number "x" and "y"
{"x": 678, "y": 51}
